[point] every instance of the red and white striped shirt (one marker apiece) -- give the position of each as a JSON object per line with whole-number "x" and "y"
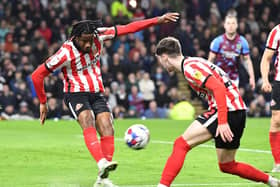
{"x": 81, "y": 71}
{"x": 197, "y": 71}
{"x": 273, "y": 42}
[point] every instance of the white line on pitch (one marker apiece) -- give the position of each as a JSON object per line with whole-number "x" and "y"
{"x": 208, "y": 146}
{"x": 199, "y": 184}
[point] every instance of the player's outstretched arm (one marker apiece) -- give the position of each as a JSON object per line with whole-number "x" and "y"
{"x": 110, "y": 32}
{"x": 265, "y": 63}
{"x": 250, "y": 70}
{"x": 38, "y": 80}
{"x": 212, "y": 57}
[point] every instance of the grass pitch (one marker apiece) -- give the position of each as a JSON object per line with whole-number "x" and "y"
{"x": 54, "y": 155}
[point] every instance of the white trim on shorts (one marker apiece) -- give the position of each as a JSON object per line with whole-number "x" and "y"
{"x": 72, "y": 110}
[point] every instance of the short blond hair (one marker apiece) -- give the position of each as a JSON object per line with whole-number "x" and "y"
{"x": 231, "y": 14}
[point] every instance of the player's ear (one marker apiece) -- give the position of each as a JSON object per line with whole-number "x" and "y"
{"x": 164, "y": 56}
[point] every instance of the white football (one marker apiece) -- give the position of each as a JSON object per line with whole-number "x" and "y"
{"x": 137, "y": 136}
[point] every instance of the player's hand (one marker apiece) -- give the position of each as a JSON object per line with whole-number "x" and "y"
{"x": 224, "y": 131}
{"x": 252, "y": 83}
{"x": 43, "y": 112}
{"x": 266, "y": 86}
{"x": 102, "y": 33}
{"x": 168, "y": 17}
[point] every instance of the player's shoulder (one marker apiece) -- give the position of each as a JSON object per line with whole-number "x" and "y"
{"x": 67, "y": 44}
{"x": 242, "y": 38}
{"x": 276, "y": 27}
{"x": 190, "y": 61}
{"x": 275, "y": 31}
{"x": 219, "y": 38}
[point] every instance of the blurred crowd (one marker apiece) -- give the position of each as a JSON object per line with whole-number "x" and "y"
{"x": 135, "y": 84}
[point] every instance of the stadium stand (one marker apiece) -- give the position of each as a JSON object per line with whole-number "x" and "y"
{"x": 30, "y": 31}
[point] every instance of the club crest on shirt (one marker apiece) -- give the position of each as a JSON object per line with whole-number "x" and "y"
{"x": 198, "y": 75}
{"x": 78, "y": 106}
{"x": 238, "y": 46}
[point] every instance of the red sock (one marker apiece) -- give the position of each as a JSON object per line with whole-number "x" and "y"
{"x": 245, "y": 171}
{"x": 274, "y": 139}
{"x": 175, "y": 161}
{"x": 107, "y": 146}
{"x": 92, "y": 143}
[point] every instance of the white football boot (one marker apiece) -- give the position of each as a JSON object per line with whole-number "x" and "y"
{"x": 98, "y": 182}
{"x": 273, "y": 182}
{"x": 276, "y": 168}
{"x": 105, "y": 167}
{"x": 105, "y": 182}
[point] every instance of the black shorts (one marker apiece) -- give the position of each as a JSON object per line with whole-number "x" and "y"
{"x": 236, "y": 121}
{"x": 80, "y": 101}
{"x": 275, "y": 96}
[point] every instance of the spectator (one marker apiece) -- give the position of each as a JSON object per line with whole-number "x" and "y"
{"x": 111, "y": 98}
{"x": 147, "y": 88}
{"x": 132, "y": 81}
{"x": 162, "y": 97}
{"x": 9, "y": 44}
{"x": 258, "y": 107}
{"x": 4, "y": 29}
{"x": 160, "y": 76}
{"x": 24, "y": 112}
{"x": 135, "y": 100}
{"x": 119, "y": 12}
{"x": 54, "y": 111}
{"x": 122, "y": 97}
{"x": 7, "y": 97}
{"x": 106, "y": 75}
{"x": 116, "y": 65}
{"x": 45, "y": 31}
{"x": 118, "y": 112}
{"x": 154, "y": 111}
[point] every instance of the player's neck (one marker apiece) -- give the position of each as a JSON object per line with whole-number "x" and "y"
{"x": 231, "y": 36}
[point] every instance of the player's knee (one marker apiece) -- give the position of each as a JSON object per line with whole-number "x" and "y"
{"x": 228, "y": 167}
{"x": 275, "y": 119}
{"x": 105, "y": 125}
{"x": 86, "y": 119}
{"x": 181, "y": 143}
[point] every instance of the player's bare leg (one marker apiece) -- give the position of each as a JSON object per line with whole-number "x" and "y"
{"x": 227, "y": 164}
{"x": 274, "y": 139}
{"x": 86, "y": 121}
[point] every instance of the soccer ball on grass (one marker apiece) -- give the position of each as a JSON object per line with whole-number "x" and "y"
{"x": 137, "y": 136}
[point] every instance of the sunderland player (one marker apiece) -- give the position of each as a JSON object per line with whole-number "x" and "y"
{"x": 224, "y": 121}
{"x": 227, "y": 49}
{"x": 272, "y": 48}
{"x": 79, "y": 60}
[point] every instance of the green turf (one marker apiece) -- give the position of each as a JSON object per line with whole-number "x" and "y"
{"x": 54, "y": 155}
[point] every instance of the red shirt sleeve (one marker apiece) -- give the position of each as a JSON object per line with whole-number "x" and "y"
{"x": 133, "y": 27}
{"x": 273, "y": 38}
{"x": 38, "y": 80}
{"x": 219, "y": 91}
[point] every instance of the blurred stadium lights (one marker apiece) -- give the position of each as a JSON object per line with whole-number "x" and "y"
{"x": 132, "y": 3}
